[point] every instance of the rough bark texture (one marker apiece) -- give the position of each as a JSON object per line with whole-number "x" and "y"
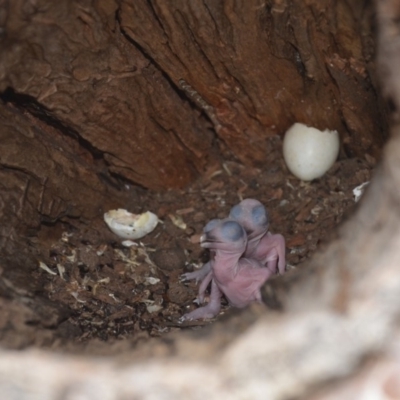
{"x": 261, "y": 66}
{"x": 123, "y": 77}
{"x": 82, "y": 73}
{"x": 353, "y": 328}
{"x": 44, "y": 179}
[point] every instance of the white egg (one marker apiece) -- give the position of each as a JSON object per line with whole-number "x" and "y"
{"x": 309, "y": 152}
{"x": 130, "y": 226}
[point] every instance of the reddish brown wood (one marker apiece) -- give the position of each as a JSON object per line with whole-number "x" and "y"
{"x": 342, "y": 311}
{"x": 260, "y": 66}
{"x": 78, "y": 67}
{"x": 136, "y": 81}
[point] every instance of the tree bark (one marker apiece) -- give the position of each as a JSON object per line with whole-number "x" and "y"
{"x": 44, "y": 179}
{"x": 260, "y": 66}
{"x": 69, "y": 64}
{"x": 144, "y": 86}
{"x": 341, "y": 326}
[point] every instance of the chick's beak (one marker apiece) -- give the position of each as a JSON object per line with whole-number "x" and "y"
{"x": 202, "y": 240}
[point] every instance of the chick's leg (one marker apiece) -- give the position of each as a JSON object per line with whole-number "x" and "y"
{"x": 198, "y": 275}
{"x": 203, "y": 287}
{"x": 208, "y": 311}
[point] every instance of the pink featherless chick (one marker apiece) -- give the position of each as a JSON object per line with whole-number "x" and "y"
{"x": 204, "y": 271}
{"x": 239, "y": 279}
{"x": 262, "y": 245}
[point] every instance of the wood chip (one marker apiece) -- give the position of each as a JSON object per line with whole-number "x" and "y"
{"x": 296, "y": 241}
{"x": 184, "y": 211}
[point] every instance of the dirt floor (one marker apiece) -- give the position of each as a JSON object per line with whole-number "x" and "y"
{"x": 110, "y": 292}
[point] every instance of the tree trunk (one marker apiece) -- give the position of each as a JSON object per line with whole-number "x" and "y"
{"x": 98, "y": 94}
{"x": 144, "y": 86}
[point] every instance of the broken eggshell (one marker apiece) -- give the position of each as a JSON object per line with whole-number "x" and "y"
{"x": 309, "y": 152}
{"x": 130, "y": 226}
